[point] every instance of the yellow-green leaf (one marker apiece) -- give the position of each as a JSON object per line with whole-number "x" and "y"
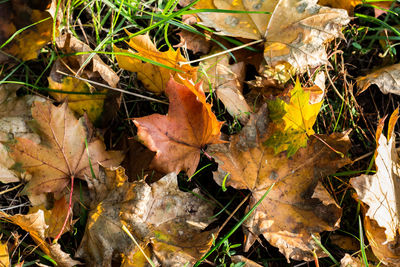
{"x": 83, "y": 100}
{"x": 294, "y": 121}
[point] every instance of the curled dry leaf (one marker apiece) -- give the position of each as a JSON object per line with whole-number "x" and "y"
{"x": 35, "y": 225}
{"x": 380, "y": 192}
{"x": 84, "y": 97}
{"x": 298, "y": 206}
{"x": 178, "y": 137}
{"x": 17, "y": 14}
{"x": 195, "y": 42}
{"x": 154, "y": 78}
{"x": 63, "y": 137}
{"x": 227, "y": 82}
{"x": 295, "y": 31}
{"x": 387, "y": 79}
{"x": 166, "y": 222}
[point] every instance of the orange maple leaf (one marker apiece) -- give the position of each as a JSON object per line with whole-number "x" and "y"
{"x": 178, "y": 137}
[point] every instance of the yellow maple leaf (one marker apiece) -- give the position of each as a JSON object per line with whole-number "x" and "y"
{"x": 294, "y": 121}
{"x": 154, "y": 77}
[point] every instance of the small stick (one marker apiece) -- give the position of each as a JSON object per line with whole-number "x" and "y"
{"x": 113, "y": 88}
{"x": 221, "y": 53}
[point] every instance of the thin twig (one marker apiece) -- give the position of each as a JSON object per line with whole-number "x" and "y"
{"x": 221, "y": 53}
{"x": 113, "y": 88}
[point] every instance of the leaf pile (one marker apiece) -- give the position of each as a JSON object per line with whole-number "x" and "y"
{"x": 74, "y": 172}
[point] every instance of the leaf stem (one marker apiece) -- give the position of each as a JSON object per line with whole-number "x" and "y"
{"x": 69, "y": 210}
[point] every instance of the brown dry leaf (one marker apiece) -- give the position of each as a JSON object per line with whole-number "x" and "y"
{"x": 387, "y": 79}
{"x": 63, "y": 137}
{"x": 154, "y": 78}
{"x": 296, "y": 31}
{"x": 14, "y": 114}
{"x": 227, "y": 82}
{"x": 35, "y": 225}
{"x": 349, "y": 261}
{"x": 166, "y": 222}
{"x": 178, "y": 137}
{"x": 380, "y": 192}
{"x": 88, "y": 98}
{"x": 298, "y": 206}
{"x": 17, "y": 14}
{"x": 194, "y": 42}
{"x": 54, "y": 218}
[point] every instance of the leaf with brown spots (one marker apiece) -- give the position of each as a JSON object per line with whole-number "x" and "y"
{"x": 295, "y": 30}
{"x": 298, "y": 206}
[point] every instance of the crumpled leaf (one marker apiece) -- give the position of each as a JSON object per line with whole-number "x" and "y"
{"x": 63, "y": 137}
{"x": 296, "y": 31}
{"x": 193, "y": 41}
{"x": 166, "y": 222}
{"x": 380, "y": 192}
{"x": 17, "y": 14}
{"x": 154, "y": 78}
{"x": 387, "y": 79}
{"x": 14, "y": 113}
{"x": 54, "y": 217}
{"x": 84, "y": 97}
{"x": 298, "y": 206}
{"x": 227, "y": 82}
{"x": 178, "y": 137}
{"x": 294, "y": 121}
{"x": 35, "y": 225}
{"x": 349, "y": 261}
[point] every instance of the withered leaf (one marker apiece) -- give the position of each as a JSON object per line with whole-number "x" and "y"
{"x": 166, "y": 222}
{"x": 62, "y": 154}
{"x": 298, "y": 206}
{"x": 295, "y": 31}
{"x": 178, "y": 137}
{"x": 380, "y": 192}
{"x": 227, "y": 82}
{"x": 17, "y": 14}
{"x": 387, "y": 79}
{"x": 35, "y": 225}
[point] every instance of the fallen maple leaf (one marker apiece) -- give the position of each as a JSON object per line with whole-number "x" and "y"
{"x": 166, "y": 222}
{"x": 178, "y": 137}
{"x": 35, "y": 225}
{"x": 298, "y": 206}
{"x": 17, "y": 14}
{"x": 295, "y": 31}
{"x": 294, "y": 121}
{"x": 154, "y": 77}
{"x": 226, "y": 81}
{"x": 380, "y": 193}
{"x": 387, "y": 79}
{"x": 63, "y": 137}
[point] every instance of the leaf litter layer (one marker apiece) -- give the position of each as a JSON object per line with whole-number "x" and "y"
{"x": 163, "y": 225}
